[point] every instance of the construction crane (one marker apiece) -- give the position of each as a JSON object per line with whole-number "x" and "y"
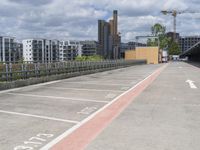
{"x": 174, "y": 13}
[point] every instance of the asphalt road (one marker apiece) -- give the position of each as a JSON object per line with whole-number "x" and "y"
{"x": 33, "y": 116}
{"x": 165, "y": 116}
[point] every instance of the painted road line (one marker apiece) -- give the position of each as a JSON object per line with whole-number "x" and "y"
{"x": 47, "y": 83}
{"x": 87, "y": 110}
{"x": 110, "y": 95}
{"x": 97, "y": 83}
{"x": 191, "y": 84}
{"x": 80, "y": 135}
{"x": 80, "y": 89}
{"x": 54, "y": 97}
{"x": 125, "y": 88}
{"x": 112, "y": 78}
{"x": 37, "y": 116}
{"x": 40, "y": 84}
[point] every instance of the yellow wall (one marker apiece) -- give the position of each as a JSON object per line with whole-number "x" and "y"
{"x": 148, "y": 53}
{"x": 130, "y": 55}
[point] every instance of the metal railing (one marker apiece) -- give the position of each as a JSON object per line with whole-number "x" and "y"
{"x": 12, "y": 72}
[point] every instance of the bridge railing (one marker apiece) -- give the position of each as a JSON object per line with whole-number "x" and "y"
{"x": 22, "y": 71}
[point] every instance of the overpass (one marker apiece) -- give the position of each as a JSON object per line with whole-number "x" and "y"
{"x": 193, "y": 53}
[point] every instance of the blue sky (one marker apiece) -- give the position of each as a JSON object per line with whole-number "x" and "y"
{"x": 77, "y": 19}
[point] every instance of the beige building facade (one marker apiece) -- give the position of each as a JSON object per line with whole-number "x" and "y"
{"x": 151, "y": 54}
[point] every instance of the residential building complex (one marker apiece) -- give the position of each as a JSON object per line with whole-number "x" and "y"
{"x": 7, "y": 49}
{"x": 108, "y": 38}
{"x": 40, "y": 50}
{"x": 19, "y": 51}
{"x": 89, "y": 48}
{"x": 69, "y": 50}
{"x": 10, "y": 49}
{"x": 187, "y": 42}
{"x": 44, "y": 50}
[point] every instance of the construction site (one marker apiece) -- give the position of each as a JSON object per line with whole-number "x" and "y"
{"x": 189, "y": 48}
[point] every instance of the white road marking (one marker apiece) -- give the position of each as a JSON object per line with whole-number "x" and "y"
{"x": 191, "y": 84}
{"x": 114, "y": 79}
{"x": 125, "y": 88}
{"x": 79, "y": 89}
{"x": 69, "y": 131}
{"x": 47, "y": 83}
{"x": 87, "y": 110}
{"x": 111, "y": 78}
{"x": 40, "y": 84}
{"x": 54, "y": 97}
{"x": 110, "y": 95}
{"x": 96, "y": 83}
{"x": 37, "y": 116}
{"x": 32, "y": 142}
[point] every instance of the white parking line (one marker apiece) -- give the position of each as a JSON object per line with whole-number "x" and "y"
{"x": 40, "y": 84}
{"x": 41, "y": 117}
{"x": 53, "y": 97}
{"x": 79, "y": 89}
{"x": 111, "y": 78}
{"x": 97, "y": 83}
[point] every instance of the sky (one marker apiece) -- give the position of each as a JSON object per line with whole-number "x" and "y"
{"x": 77, "y": 19}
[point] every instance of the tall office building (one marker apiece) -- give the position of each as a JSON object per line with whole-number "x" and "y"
{"x": 108, "y": 38}
{"x": 40, "y": 50}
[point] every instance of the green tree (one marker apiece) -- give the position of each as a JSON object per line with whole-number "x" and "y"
{"x": 159, "y": 31}
{"x": 174, "y": 48}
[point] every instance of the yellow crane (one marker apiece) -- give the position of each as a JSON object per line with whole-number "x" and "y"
{"x": 174, "y": 13}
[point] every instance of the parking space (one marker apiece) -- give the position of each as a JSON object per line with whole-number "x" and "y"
{"x": 34, "y": 115}
{"x": 58, "y": 108}
{"x": 18, "y": 132}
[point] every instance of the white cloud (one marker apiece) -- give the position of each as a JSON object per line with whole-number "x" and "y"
{"x": 78, "y": 19}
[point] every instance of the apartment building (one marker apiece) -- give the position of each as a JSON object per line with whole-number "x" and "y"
{"x": 18, "y": 55}
{"x": 89, "y": 48}
{"x": 69, "y": 50}
{"x": 40, "y": 50}
{"x": 187, "y": 42}
{"x": 7, "y": 49}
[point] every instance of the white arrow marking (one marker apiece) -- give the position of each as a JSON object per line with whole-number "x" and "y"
{"x": 191, "y": 83}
